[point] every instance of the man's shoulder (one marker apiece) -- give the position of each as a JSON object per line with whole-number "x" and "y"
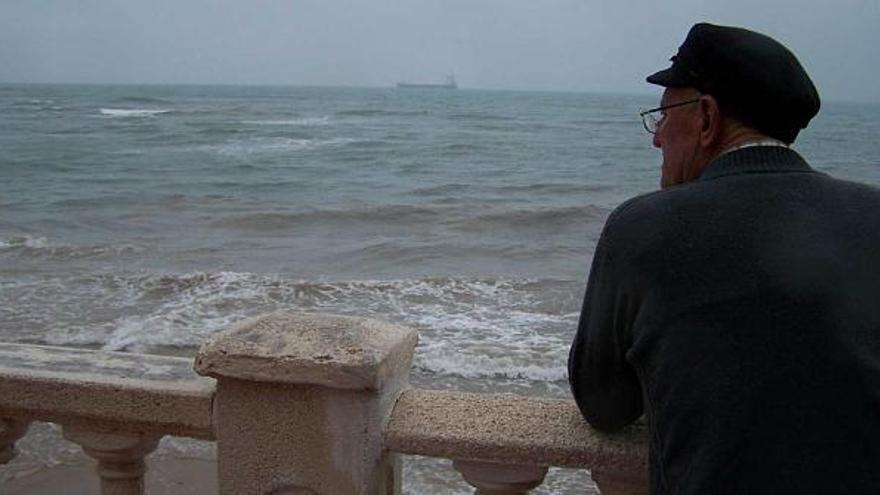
{"x": 645, "y": 207}
{"x": 696, "y": 195}
{"x": 856, "y": 188}
{"x": 635, "y": 220}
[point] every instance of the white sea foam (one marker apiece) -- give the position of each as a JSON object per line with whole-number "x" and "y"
{"x": 132, "y": 112}
{"x": 469, "y": 328}
{"x": 509, "y": 367}
{"x": 277, "y": 145}
{"x": 38, "y": 246}
{"x": 303, "y": 122}
{"x": 26, "y": 241}
{"x": 190, "y": 308}
{"x": 495, "y": 342}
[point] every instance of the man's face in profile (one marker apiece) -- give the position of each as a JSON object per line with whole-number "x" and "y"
{"x": 677, "y": 137}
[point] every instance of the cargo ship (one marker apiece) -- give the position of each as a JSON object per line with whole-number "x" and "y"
{"x": 449, "y": 84}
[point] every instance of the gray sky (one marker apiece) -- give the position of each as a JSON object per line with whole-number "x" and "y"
{"x": 580, "y": 45}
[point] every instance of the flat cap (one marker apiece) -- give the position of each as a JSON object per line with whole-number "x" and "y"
{"x": 755, "y": 78}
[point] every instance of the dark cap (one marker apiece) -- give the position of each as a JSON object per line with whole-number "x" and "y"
{"x": 754, "y": 78}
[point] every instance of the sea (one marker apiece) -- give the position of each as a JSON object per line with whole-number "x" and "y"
{"x": 147, "y": 218}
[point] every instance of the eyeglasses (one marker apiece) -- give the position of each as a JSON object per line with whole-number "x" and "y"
{"x": 650, "y": 119}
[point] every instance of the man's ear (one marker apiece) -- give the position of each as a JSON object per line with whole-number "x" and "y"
{"x": 710, "y": 130}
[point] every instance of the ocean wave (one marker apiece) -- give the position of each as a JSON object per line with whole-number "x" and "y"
{"x": 463, "y": 148}
{"x": 84, "y": 251}
{"x": 507, "y": 328}
{"x": 554, "y": 188}
{"x": 392, "y": 214}
{"x": 371, "y": 112}
{"x": 221, "y": 130}
{"x": 141, "y": 99}
{"x": 26, "y": 241}
{"x": 96, "y": 201}
{"x": 454, "y": 189}
{"x": 481, "y": 366}
{"x": 533, "y": 218}
{"x": 304, "y": 122}
{"x": 369, "y": 144}
{"x": 602, "y": 122}
{"x": 515, "y": 339}
{"x": 263, "y": 145}
{"x": 39, "y": 104}
{"x": 454, "y": 216}
{"x": 40, "y": 247}
{"x": 132, "y": 112}
{"x": 138, "y": 206}
{"x": 480, "y": 117}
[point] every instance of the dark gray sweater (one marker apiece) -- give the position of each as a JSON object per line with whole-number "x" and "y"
{"x": 741, "y": 313}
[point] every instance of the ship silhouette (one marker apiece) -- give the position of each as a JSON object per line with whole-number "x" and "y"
{"x": 449, "y": 84}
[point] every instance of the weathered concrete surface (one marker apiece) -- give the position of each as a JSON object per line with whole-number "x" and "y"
{"x": 120, "y": 457}
{"x": 302, "y": 401}
{"x": 508, "y": 428}
{"x": 495, "y": 478}
{"x": 296, "y": 438}
{"x": 107, "y": 389}
{"x": 327, "y": 350}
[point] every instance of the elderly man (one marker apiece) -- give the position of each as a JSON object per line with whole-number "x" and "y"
{"x": 738, "y": 307}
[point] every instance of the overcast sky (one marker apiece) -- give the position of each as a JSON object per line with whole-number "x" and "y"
{"x": 579, "y": 45}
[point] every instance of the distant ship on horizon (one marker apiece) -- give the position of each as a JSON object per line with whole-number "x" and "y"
{"x": 449, "y": 84}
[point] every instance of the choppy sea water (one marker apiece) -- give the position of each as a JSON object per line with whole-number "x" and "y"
{"x": 147, "y": 218}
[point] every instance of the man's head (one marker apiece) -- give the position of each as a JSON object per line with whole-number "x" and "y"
{"x": 746, "y": 86}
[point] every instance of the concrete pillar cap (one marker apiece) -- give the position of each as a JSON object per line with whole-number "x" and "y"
{"x": 301, "y": 348}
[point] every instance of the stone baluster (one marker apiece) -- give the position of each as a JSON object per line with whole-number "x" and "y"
{"x": 302, "y": 402}
{"x": 10, "y": 431}
{"x": 120, "y": 457}
{"x": 491, "y": 478}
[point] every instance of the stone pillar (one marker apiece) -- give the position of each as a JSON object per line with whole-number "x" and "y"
{"x": 302, "y": 402}
{"x": 10, "y": 431}
{"x": 491, "y": 478}
{"x": 120, "y": 457}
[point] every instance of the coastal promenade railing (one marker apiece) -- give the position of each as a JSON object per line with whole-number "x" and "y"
{"x": 115, "y": 405}
{"x": 302, "y": 404}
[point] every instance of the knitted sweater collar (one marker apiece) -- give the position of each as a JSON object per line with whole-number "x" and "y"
{"x": 756, "y": 159}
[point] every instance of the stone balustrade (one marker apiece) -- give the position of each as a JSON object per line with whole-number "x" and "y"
{"x": 115, "y": 405}
{"x": 304, "y": 404}
{"x": 503, "y": 438}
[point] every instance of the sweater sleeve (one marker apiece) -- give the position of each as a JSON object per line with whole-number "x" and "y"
{"x": 604, "y": 384}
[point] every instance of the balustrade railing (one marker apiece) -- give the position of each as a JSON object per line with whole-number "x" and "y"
{"x": 115, "y": 405}
{"x": 306, "y": 404}
{"x": 504, "y": 443}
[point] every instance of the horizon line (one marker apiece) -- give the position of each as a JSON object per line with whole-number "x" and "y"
{"x": 646, "y": 93}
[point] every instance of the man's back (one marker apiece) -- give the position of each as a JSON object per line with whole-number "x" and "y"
{"x": 754, "y": 302}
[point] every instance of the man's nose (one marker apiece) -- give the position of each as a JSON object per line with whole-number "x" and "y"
{"x": 656, "y": 140}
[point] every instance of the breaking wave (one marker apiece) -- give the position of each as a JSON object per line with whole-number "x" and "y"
{"x": 457, "y": 217}
{"x": 40, "y": 247}
{"x": 132, "y": 112}
{"x": 141, "y": 99}
{"x": 393, "y": 214}
{"x": 369, "y": 112}
{"x": 472, "y": 328}
{"x": 276, "y": 145}
{"x": 304, "y": 122}
{"x": 18, "y": 242}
